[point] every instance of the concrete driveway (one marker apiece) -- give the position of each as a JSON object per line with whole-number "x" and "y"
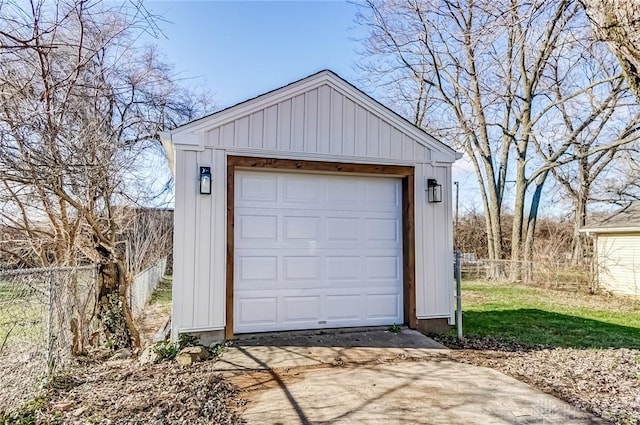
{"x": 372, "y": 376}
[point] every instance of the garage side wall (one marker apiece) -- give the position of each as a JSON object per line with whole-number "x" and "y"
{"x": 434, "y": 245}
{"x": 199, "y": 244}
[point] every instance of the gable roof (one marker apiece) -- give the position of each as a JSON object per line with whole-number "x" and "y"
{"x": 626, "y": 219}
{"x": 188, "y": 134}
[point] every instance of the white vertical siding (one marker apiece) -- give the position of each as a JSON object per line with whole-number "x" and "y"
{"x": 323, "y": 128}
{"x": 213, "y": 137}
{"x": 361, "y": 131}
{"x": 241, "y": 132}
{"x": 619, "y": 263}
{"x": 320, "y": 121}
{"x": 434, "y": 245}
{"x": 271, "y": 127}
{"x": 199, "y": 243}
{"x": 184, "y": 239}
{"x": 336, "y": 140}
{"x": 219, "y": 242}
{"x": 285, "y": 125}
{"x": 256, "y": 123}
{"x": 349, "y": 128}
{"x": 311, "y": 116}
{"x": 203, "y": 239}
{"x": 298, "y": 123}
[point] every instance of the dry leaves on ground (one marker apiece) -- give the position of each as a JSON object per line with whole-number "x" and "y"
{"x": 606, "y": 382}
{"x": 124, "y": 392}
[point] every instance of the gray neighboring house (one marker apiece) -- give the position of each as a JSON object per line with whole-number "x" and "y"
{"x": 617, "y": 250}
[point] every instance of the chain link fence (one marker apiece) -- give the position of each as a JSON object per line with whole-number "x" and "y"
{"x": 43, "y": 312}
{"x": 550, "y": 274}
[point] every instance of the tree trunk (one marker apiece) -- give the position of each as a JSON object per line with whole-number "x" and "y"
{"x": 579, "y": 243}
{"x": 114, "y": 311}
{"x": 518, "y": 221}
{"x": 532, "y": 220}
{"x": 580, "y": 219}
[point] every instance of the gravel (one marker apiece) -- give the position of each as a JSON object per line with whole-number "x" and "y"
{"x": 605, "y": 382}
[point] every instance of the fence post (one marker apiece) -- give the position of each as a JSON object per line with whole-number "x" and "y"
{"x": 458, "y": 274}
{"x": 50, "y": 323}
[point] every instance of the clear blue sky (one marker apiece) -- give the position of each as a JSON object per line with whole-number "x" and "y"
{"x": 244, "y": 48}
{"x": 241, "y": 49}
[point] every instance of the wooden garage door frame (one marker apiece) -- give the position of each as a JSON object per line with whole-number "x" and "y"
{"x": 408, "y": 219}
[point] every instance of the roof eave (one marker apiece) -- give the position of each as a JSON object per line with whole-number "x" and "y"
{"x": 627, "y": 229}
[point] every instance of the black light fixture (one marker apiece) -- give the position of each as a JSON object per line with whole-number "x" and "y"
{"x": 434, "y": 191}
{"x": 205, "y": 180}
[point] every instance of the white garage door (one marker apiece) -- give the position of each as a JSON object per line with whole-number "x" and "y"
{"x": 316, "y": 251}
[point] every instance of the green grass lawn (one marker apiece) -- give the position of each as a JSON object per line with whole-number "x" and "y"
{"x": 162, "y": 294}
{"x": 23, "y": 316}
{"x": 538, "y": 316}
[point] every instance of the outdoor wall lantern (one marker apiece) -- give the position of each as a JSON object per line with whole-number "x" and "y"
{"x": 205, "y": 180}
{"x": 434, "y": 190}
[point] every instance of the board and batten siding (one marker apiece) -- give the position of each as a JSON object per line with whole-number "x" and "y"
{"x": 619, "y": 262}
{"x": 328, "y": 121}
{"x": 320, "y": 121}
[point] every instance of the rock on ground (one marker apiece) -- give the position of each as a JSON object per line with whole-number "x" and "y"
{"x": 149, "y": 356}
{"x": 190, "y": 355}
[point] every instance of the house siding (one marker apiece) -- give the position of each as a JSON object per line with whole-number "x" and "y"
{"x": 618, "y": 259}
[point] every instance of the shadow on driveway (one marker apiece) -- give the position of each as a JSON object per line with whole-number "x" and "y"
{"x": 359, "y": 376}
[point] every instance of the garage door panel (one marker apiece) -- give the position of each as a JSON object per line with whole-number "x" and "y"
{"x": 302, "y": 308}
{"x": 344, "y": 268}
{"x": 257, "y": 227}
{"x": 383, "y": 306}
{"x": 383, "y": 230}
{"x": 336, "y": 241}
{"x": 384, "y": 193}
{"x": 339, "y": 191}
{"x": 301, "y": 227}
{"x": 301, "y": 189}
{"x": 257, "y": 311}
{"x": 342, "y": 229}
{"x": 298, "y": 268}
{"x": 382, "y": 268}
{"x": 258, "y": 268}
{"x": 344, "y": 307}
{"x": 253, "y": 187}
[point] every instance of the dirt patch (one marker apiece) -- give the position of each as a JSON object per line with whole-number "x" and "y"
{"x": 605, "y": 382}
{"x": 123, "y": 392}
{"x": 474, "y": 297}
{"x": 151, "y": 320}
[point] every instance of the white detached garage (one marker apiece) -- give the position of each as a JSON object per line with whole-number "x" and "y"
{"x": 318, "y": 215}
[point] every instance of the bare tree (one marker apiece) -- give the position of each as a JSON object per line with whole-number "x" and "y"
{"x": 148, "y": 233}
{"x": 616, "y": 22}
{"x": 80, "y": 104}
{"x": 594, "y": 122}
{"x": 485, "y": 75}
